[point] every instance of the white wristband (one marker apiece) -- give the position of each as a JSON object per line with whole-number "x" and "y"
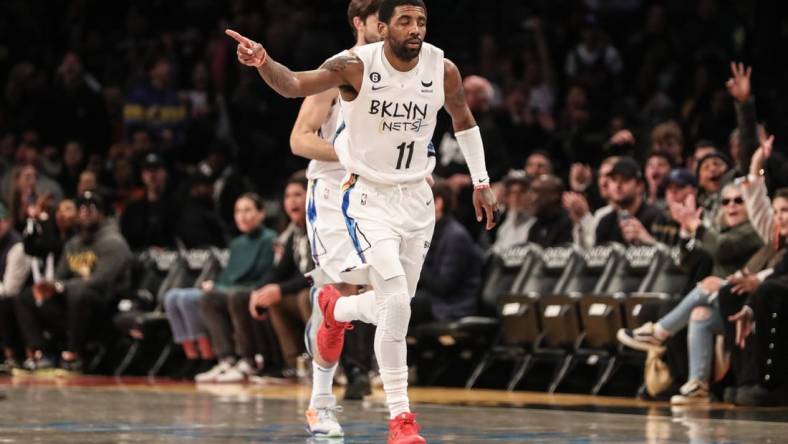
{"x": 470, "y": 142}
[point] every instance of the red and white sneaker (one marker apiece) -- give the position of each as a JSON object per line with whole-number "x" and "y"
{"x": 331, "y": 333}
{"x": 405, "y": 430}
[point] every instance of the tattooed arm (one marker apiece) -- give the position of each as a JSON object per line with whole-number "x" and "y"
{"x": 343, "y": 71}
{"x": 456, "y": 106}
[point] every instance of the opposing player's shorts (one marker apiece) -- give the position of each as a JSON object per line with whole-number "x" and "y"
{"x": 390, "y": 227}
{"x": 329, "y": 241}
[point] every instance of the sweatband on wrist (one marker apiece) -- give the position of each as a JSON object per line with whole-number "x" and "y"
{"x": 470, "y": 142}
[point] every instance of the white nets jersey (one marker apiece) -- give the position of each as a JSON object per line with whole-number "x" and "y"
{"x": 389, "y": 125}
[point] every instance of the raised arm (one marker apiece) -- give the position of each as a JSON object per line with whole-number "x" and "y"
{"x": 746, "y": 120}
{"x": 341, "y": 71}
{"x": 470, "y": 140}
{"x": 304, "y": 140}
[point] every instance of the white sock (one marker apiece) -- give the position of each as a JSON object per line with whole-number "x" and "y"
{"x": 322, "y": 381}
{"x": 391, "y": 356}
{"x": 362, "y": 307}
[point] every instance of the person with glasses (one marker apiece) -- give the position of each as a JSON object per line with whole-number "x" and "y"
{"x": 730, "y": 248}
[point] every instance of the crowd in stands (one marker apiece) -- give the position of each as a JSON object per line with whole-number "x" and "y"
{"x": 130, "y": 127}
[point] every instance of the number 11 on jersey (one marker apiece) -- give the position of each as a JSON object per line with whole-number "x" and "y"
{"x": 401, "y": 149}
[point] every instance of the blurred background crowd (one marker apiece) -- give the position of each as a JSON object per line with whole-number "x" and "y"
{"x": 129, "y": 125}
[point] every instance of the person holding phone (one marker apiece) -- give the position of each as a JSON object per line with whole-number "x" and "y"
{"x": 631, "y": 222}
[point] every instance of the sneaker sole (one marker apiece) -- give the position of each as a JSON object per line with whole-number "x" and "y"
{"x": 312, "y": 324}
{"x": 638, "y": 345}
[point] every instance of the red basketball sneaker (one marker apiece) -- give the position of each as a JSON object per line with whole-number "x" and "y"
{"x": 404, "y": 430}
{"x": 331, "y": 333}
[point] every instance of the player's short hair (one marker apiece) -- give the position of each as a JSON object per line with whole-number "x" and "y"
{"x": 257, "y": 201}
{"x": 387, "y": 8}
{"x": 361, "y": 9}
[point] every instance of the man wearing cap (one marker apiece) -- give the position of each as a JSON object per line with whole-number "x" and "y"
{"x": 633, "y": 218}
{"x": 93, "y": 270}
{"x": 713, "y": 172}
{"x": 680, "y": 187}
{"x": 14, "y": 269}
{"x": 517, "y": 220}
{"x": 150, "y": 221}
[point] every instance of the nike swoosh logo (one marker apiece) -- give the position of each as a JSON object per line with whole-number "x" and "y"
{"x": 379, "y": 87}
{"x": 429, "y": 202}
{"x": 426, "y": 84}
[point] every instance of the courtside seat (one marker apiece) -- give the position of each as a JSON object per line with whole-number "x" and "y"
{"x": 666, "y": 286}
{"x": 150, "y": 330}
{"x": 520, "y": 325}
{"x": 603, "y": 313}
{"x": 440, "y": 344}
{"x": 563, "y": 331}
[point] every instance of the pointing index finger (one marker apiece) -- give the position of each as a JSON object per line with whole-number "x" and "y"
{"x": 238, "y": 37}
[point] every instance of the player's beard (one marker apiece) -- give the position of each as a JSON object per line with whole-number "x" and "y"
{"x": 404, "y": 52}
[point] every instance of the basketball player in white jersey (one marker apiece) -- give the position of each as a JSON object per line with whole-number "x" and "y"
{"x": 390, "y": 94}
{"x": 312, "y": 137}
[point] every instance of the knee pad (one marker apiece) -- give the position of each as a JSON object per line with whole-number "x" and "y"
{"x": 394, "y": 303}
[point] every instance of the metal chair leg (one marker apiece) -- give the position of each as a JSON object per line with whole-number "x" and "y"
{"x": 480, "y": 368}
{"x": 610, "y": 368}
{"x": 162, "y": 359}
{"x": 520, "y": 372}
{"x": 128, "y": 359}
{"x": 562, "y": 371}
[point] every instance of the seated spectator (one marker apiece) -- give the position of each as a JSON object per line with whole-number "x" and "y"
{"x": 517, "y": 219}
{"x": 538, "y": 163}
{"x": 44, "y": 236}
{"x": 27, "y": 187}
{"x": 552, "y": 226}
{"x": 75, "y": 107}
{"x": 577, "y": 204}
{"x": 451, "y": 277}
{"x": 251, "y": 258}
{"x": 656, "y": 170}
{"x": 632, "y": 219}
{"x": 680, "y": 186}
{"x": 668, "y": 139}
{"x": 285, "y": 295}
{"x": 713, "y": 172}
{"x": 744, "y": 291}
{"x": 730, "y": 249}
{"x": 73, "y": 165}
{"x": 156, "y": 107}
{"x": 92, "y": 272}
{"x": 149, "y": 222}
{"x": 702, "y": 148}
{"x": 765, "y": 307}
{"x": 14, "y": 269}
{"x": 199, "y": 225}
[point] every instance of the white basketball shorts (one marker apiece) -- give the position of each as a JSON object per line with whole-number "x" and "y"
{"x": 390, "y": 227}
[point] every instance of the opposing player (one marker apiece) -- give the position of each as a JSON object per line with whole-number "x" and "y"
{"x": 312, "y": 137}
{"x": 390, "y": 94}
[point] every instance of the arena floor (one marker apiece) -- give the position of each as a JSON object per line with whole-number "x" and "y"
{"x": 106, "y": 410}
